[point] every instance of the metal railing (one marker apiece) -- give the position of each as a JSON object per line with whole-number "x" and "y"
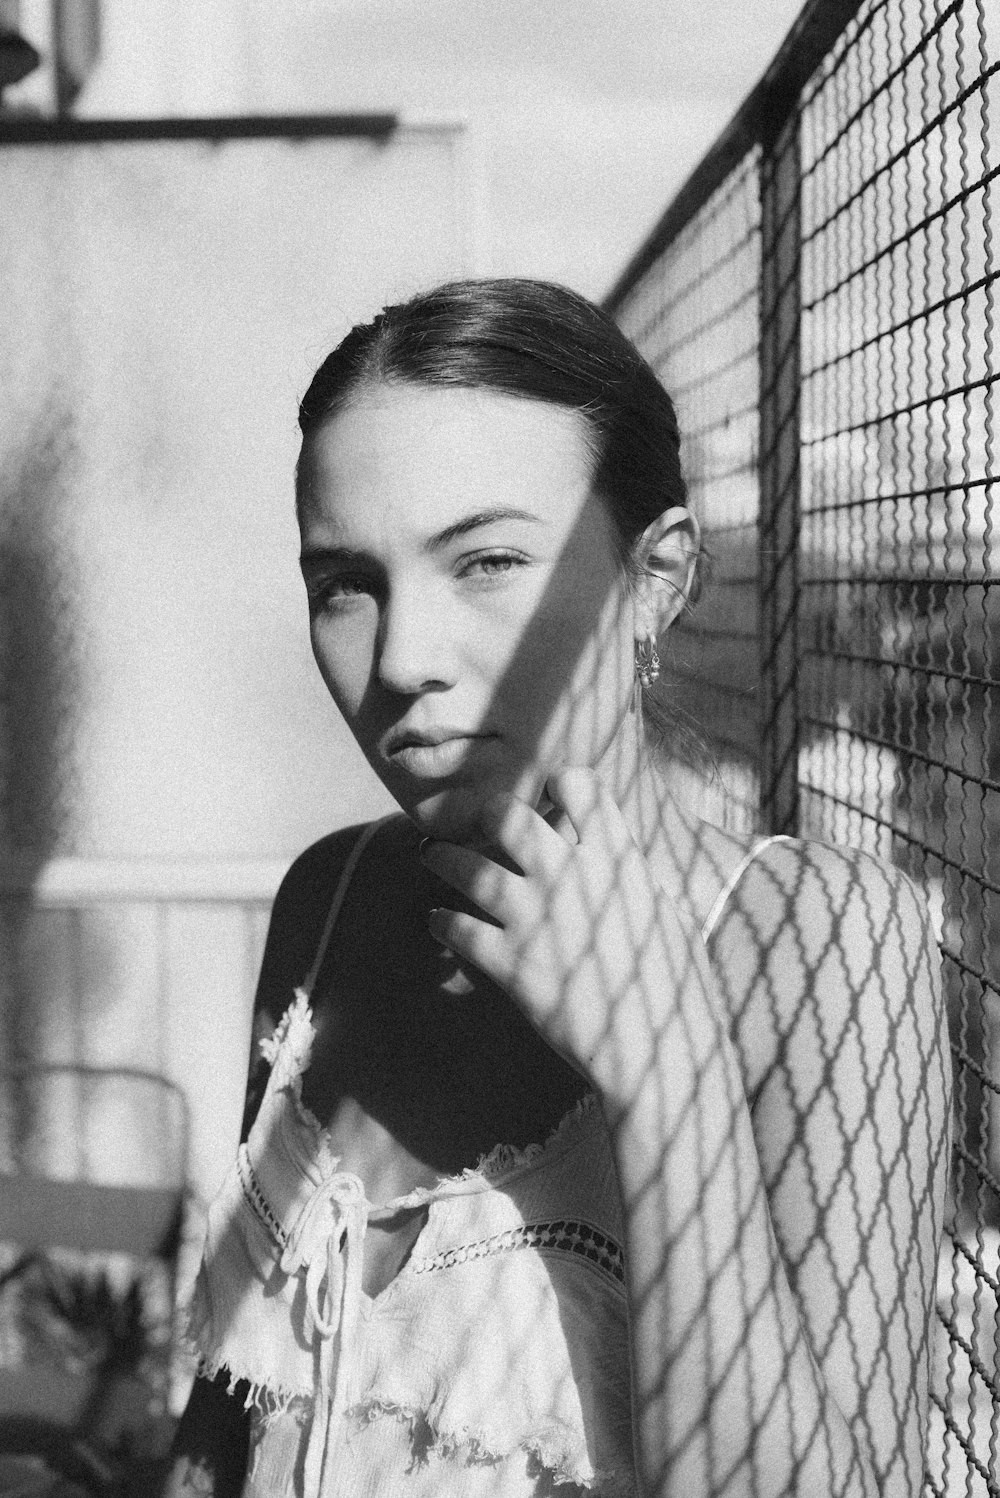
{"x": 129, "y": 963}
{"x": 820, "y": 300}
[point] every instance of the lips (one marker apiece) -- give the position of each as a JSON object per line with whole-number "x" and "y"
{"x": 402, "y": 738}
{"x": 433, "y": 753}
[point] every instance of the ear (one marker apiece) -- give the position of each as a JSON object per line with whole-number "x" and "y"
{"x": 666, "y": 556}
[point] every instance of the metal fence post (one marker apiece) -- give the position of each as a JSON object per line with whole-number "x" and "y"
{"x": 779, "y": 468}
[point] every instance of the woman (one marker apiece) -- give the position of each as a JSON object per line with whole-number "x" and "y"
{"x": 704, "y": 1079}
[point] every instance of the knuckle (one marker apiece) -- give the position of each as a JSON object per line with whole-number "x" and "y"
{"x": 491, "y": 893}
{"x": 576, "y": 778}
{"x": 463, "y": 927}
{"x": 562, "y": 783}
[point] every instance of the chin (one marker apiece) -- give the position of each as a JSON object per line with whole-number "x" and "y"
{"x": 453, "y": 812}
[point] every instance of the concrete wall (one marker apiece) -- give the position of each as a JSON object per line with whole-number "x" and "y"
{"x": 164, "y": 305}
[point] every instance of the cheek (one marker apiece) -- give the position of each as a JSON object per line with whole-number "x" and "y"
{"x": 343, "y": 651}
{"x": 572, "y": 672}
{"x": 599, "y": 691}
{"x": 605, "y": 661}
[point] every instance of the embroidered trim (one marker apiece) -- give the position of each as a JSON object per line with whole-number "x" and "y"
{"x": 559, "y": 1237}
{"x": 256, "y": 1197}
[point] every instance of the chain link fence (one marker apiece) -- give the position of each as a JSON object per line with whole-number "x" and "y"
{"x": 820, "y": 299}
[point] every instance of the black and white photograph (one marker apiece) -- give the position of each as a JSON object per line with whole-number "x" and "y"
{"x": 499, "y": 749}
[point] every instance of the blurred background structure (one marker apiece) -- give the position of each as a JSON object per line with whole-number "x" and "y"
{"x": 167, "y": 743}
{"x": 205, "y": 199}
{"x": 581, "y": 118}
{"x": 200, "y": 200}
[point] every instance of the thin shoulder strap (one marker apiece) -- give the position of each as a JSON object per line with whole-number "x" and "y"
{"x": 360, "y": 844}
{"x": 727, "y": 889}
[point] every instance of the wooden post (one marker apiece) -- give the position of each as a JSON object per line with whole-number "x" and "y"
{"x": 780, "y": 314}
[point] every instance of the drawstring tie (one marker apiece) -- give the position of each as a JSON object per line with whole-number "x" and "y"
{"x": 337, "y": 1210}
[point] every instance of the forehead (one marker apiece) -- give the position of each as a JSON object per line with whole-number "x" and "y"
{"x": 423, "y": 456}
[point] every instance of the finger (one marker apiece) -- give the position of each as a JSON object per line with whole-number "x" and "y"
{"x": 590, "y": 807}
{"x": 560, "y": 823}
{"x": 473, "y": 940}
{"x": 474, "y": 875}
{"x": 517, "y": 830}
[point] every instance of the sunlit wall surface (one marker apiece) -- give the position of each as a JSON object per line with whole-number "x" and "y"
{"x": 164, "y": 306}
{"x": 165, "y": 303}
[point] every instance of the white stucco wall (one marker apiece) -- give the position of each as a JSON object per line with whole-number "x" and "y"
{"x": 164, "y": 306}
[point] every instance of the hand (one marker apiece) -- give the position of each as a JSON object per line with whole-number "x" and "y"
{"x": 577, "y": 938}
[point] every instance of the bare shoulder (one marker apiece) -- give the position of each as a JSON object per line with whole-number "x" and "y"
{"x": 808, "y": 903}
{"x": 816, "y": 940}
{"x": 817, "y": 887}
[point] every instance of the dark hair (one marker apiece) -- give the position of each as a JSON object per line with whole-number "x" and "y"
{"x": 531, "y": 339}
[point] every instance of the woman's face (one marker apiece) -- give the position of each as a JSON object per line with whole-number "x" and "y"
{"x": 468, "y": 612}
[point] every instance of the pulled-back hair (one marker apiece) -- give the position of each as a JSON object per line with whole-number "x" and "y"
{"x": 531, "y": 339}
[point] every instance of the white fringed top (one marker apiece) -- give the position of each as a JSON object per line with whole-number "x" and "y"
{"x": 495, "y": 1364}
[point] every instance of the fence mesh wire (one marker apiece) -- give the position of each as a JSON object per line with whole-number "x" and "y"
{"x": 873, "y": 208}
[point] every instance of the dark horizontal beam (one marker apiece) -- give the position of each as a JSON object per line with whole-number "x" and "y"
{"x": 40, "y": 130}
{"x": 757, "y": 122}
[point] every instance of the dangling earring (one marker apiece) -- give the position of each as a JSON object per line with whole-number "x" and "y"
{"x": 647, "y": 661}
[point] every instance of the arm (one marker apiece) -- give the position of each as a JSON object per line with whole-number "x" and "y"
{"x": 774, "y": 1245}
{"x": 783, "y": 1257}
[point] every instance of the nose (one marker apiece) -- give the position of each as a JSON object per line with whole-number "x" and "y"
{"x": 415, "y": 651}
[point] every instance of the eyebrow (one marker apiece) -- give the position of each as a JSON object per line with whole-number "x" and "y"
{"x": 433, "y": 543}
{"x": 473, "y": 522}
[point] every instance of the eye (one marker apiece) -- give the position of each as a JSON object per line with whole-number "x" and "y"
{"x": 334, "y": 591}
{"x": 490, "y": 565}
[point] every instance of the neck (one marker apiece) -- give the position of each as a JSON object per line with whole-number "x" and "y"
{"x": 639, "y": 784}
{"x": 688, "y": 858}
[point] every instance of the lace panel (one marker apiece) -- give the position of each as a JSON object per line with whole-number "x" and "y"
{"x": 559, "y": 1237}
{"x": 256, "y": 1197}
